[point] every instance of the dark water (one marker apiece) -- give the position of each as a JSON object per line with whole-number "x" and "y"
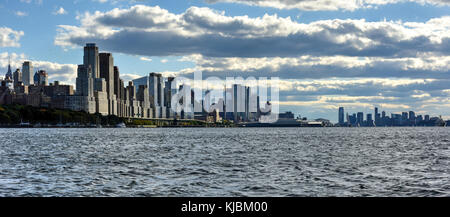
{"x": 225, "y": 162}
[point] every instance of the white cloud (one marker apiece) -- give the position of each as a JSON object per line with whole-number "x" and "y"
{"x": 145, "y": 59}
{"x": 327, "y": 5}
{"x": 324, "y": 66}
{"x": 152, "y": 31}
{"x": 164, "y": 60}
{"x": 21, "y": 14}
{"x": 128, "y": 77}
{"x": 9, "y": 37}
{"x": 60, "y": 11}
{"x": 30, "y": 1}
{"x": 101, "y": 1}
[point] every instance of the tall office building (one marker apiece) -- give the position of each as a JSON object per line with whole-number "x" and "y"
{"x": 369, "y": 120}
{"x": 341, "y": 116}
{"x": 36, "y": 78}
{"x": 353, "y": 120}
{"x": 107, "y": 72}
{"x": 412, "y": 116}
{"x": 419, "y": 118}
{"x": 83, "y": 100}
{"x": 156, "y": 94}
{"x": 17, "y": 75}
{"x": 84, "y": 81}
{"x": 168, "y": 93}
{"x": 116, "y": 81}
{"x": 404, "y": 116}
{"x": 235, "y": 101}
{"x": 154, "y": 82}
{"x": 238, "y": 102}
{"x": 43, "y": 78}
{"x": 117, "y": 92}
{"x": 101, "y": 96}
{"x": 121, "y": 99}
{"x": 360, "y": 118}
{"x": 247, "y": 103}
{"x": 27, "y": 73}
{"x": 131, "y": 99}
{"x": 144, "y": 102}
{"x": 91, "y": 58}
{"x": 40, "y": 78}
{"x": 377, "y": 117}
{"x": 9, "y": 75}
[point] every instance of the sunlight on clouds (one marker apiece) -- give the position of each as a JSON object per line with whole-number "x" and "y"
{"x": 327, "y": 5}
{"x": 10, "y": 37}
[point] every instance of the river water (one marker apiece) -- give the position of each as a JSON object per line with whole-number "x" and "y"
{"x": 225, "y": 162}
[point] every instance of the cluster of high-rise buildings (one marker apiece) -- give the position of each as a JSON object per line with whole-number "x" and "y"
{"x": 32, "y": 88}
{"x": 382, "y": 119}
{"x": 99, "y": 89}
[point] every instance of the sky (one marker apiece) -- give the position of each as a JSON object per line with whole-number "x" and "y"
{"x": 393, "y": 54}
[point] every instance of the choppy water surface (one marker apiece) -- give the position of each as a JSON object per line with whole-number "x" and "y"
{"x": 225, "y": 162}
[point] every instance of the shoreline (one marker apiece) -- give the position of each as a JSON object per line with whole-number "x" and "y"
{"x": 150, "y": 127}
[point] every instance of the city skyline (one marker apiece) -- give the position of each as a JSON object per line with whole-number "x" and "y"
{"x": 353, "y": 71}
{"x": 381, "y": 119}
{"x": 27, "y": 66}
{"x": 100, "y": 90}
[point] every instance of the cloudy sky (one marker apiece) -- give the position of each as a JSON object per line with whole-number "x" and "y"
{"x": 394, "y": 54}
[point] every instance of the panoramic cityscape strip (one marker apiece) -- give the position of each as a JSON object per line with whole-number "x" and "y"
{"x": 100, "y": 90}
{"x": 224, "y": 106}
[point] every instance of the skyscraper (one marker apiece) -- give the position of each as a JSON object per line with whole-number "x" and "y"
{"x": 101, "y": 96}
{"x": 36, "y": 78}
{"x": 168, "y": 92}
{"x": 84, "y": 82}
{"x": 247, "y": 103}
{"x": 377, "y": 117}
{"x": 238, "y": 102}
{"x": 341, "y": 116}
{"x": 360, "y": 118}
{"x": 116, "y": 81}
{"x": 9, "y": 75}
{"x": 107, "y": 72}
{"x": 43, "y": 78}
{"x": 155, "y": 88}
{"x": 404, "y": 116}
{"x": 369, "y": 120}
{"x": 144, "y": 100}
{"x": 17, "y": 77}
{"x": 91, "y": 58}
{"x": 27, "y": 73}
{"x": 156, "y": 92}
{"x": 412, "y": 116}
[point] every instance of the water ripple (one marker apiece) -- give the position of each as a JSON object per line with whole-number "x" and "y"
{"x": 225, "y": 162}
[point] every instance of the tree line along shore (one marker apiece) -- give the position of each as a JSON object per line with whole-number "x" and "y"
{"x": 17, "y": 115}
